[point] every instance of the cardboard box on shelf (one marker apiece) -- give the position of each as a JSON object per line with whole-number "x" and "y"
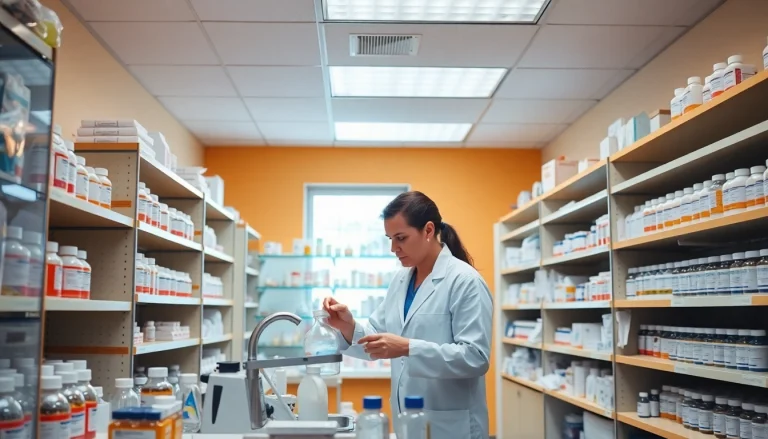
{"x": 557, "y": 171}
{"x": 659, "y": 118}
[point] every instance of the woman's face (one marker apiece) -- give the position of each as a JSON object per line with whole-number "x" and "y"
{"x": 409, "y": 244}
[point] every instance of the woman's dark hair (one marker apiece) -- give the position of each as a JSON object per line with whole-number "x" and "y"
{"x": 418, "y": 209}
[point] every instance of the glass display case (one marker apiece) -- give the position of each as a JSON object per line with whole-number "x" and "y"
{"x": 26, "y": 102}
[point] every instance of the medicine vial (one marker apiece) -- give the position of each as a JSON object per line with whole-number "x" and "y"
{"x": 71, "y": 167}
{"x": 144, "y": 204}
{"x": 732, "y": 419}
{"x": 55, "y": 412}
{"x": 654, "y": 403}
{"x": 17, "y": 259}
{"x": 81, "y": 180}
{"x": 686, "y": 206}
{"x": 643, "y": 405}
{"x": 76, "y": 401}
{"x": 703, "y": 208}
{"x": 718, "y": 416}
{"x": 676, "y": 104}
{"x": 54, "y": 268}
{"x": 736, "y": 72}
{"x": 737, "y": 192}
{"x": 706, "y": 414}
{"x": 155, "y": 213}
{"x": 59, "y": 160}
{"x": 72, "y": 280}
{"x": 142, "y": 275}
{"x": 758, "y": 351}
{"x": 706, "y": 91}
{"x": 94, "y": 186}
{"x": 33, "y": 242}
{"x": 105, "y": 197}
{"x": 693, "y": 96}
{"x": 716, "y": 79}
{"x": 754, "y": 187}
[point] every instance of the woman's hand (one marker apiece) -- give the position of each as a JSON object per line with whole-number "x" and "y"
{"x": 340, "y": 318}
{"x": 385, "y": 345}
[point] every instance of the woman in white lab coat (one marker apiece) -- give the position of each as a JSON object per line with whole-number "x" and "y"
{"x": 435, "y": 323}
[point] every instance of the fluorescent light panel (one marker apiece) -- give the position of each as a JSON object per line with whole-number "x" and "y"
{"x": 422, "y": 82}
{"x": 401, "y": 132}
{"x": 503, "y": 11}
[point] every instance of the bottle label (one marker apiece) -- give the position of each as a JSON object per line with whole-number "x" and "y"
{"x": 716, "y": 82}
{"x": 751, "y": 192}
{"x": 106, "y": 196}
{"x": 86, "y": 282}
{"x": 710, "y": 281}
{"x": 723, "y": 281}
{"x": 745, "y": 429}
{"x": 705, "y": 420}
{"x": 686, "y": 215}
{"x": 190, "y": 411}
{"x": 77, "y": 423}
{"x": 742, "y": 356}
{"x": 35, "y": 164}
{"x": 738, "y": 198}
{"x": 81, "y": 186}
{"x": 60, "y": 170}
{"x": 16, "y": 273}
{"x": 54, "y": 426}
{"x": 732, "y": 424}
{"x": 716, "y": 201}
{"x": 71, "y": 282}
{"x": 758, "y": 358}
{"x": 141, "y": 280}
{"x": 94, "y": 191}
{"x": 707, "y": 354}
{"x": 749, "y": 279}
{"x": 92, "y": 415}
{"x": 135, "y": 434}
{"x": 730, "y": 79}
{"x": 72, "y": 177}
{"x": 12, "y": 429}
{"x": 759, "y": 431}
{"x": 718, "y": 423}
{"x": 53, "y": 287}
{"x": 719, "y": 354}
{"x": 35, "y": 277}
{"x": 655, "y": 409}
{"x": 643, "y": 409}
{"x": 730, "y": 356}
{"x": 142, "y": 210}
{"x": 735, "y": 280}
{"x": 762, "y": 278}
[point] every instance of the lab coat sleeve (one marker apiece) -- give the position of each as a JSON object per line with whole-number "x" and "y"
{"x": 472, "y": 324}
{"x": 374, "y": 326}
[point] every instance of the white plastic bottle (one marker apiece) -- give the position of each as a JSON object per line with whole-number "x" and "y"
{"x": 33, "y": 242}
{"x": 704, "y": 213}
{"x": 372, "y": 423}
{"x": 706, "y": 91}
{"x": 312, "y": 396}
{"x": 716, "y": 196}
{"x": 754, "y": 188}
{"x": 413, "y": 421}
{"x": 59, "y": 160}
{"x": 53, "y": 270}
{"x": 144, "y": 204}
{"x": 72, "y": 279}
{"x": 72, "y": 167}
{"x": 85, "y": 280}
{"x": 661, "y": 214}
{"x": 693, "y": 96}
{"x": 676, "y": 104}
{"x": 686, "y": 206}
{"x": 676, "y": 202}
{"x": 695, "y": 199}
{"x": 142, "y": 275}
{"x": 94, "y": 186}
{"x": 16, "y": 271}
{"x": 736, "y": 192}
{"x": 105, "y": 194}
{"x": 81, "y": 180}
{"x": 152, "y": 269}
{"x": 649, "y": 217}
{"x": 716, "y": 82}
{"x": 191, "y": 399}
{"x": 155, "y": 216}
{"x": 737, "y": 72}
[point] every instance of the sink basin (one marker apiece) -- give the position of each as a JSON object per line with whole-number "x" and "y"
{"x": 346, "y": 423}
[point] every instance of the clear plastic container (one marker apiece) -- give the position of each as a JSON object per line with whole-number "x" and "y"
{"x": 157, "y": 385}
{"x": 85, "y": 280}
{"x": 312, "y": 396}
{"x": 191, "y": 399}
{"x": 54, "y": 269}
{"x": 81, "y": 180}
{"x": 76, "y": 401}
{"x": 15, "y": 274}
{"x": 124, "y": 395}
{"x": 322, "y": 339}
{"x": 372, "y": 423}
{"x": 413, "y": 421}
{"x": 105, "y": 194}
{"x": 55, "y": 413}
{"x": 33, "y": 242}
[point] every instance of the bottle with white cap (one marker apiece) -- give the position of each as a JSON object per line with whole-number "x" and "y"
{"x": 737, "y": 72}
{"x": 55, "y": 414}
{"x": 694, "y": 94}
{"x": 103, "y": 412}
{"x": 717, "y": 79}
{"x": 33, "y": 242}
{"x": 191, "y": 399}
{"x": 16, "y": 271}
{"x": 157, "y": 385}
{"x": 53, "y": 270}
{"x": 105, "y": 193}
{"x": 94, "y": 186}
{"x": 676, "y": 104}
{"x": 124, "y": 396}
{"x": 72, "y": 168}
{"x": 78, "y": 364}
{"x": 81, "y": 180}
{"x": 12, "y": 414}
{"x": 76, "y": 401}
{"x": 85, "y": 280}
{"x": 72, "y": 279}
{"x": 91, "y": 401}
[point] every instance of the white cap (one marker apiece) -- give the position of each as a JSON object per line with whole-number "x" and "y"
{"x": 678, "y": 194}
{"x": 164, "y": 399}
{"x": 154, "y": 197}
{"x": 52, "y": 247}
{"x": 140, "y": 380}
{"x": 68, "y": 250}
{"x": 642, "y": 394}
{"x": 82, "y": 254}
{"x": 688, "y": 191}
{"x": 70, "y": 145}
{"x": 752, "y": 254}
{"x": 698, "y": 186}
{"x": 18, "y": 363}
{"x": 101, "y": 172}
{"x": 713, "y": 259}
{"x": 694, "y": 80}
{"x": 719, "y": 66}
{"x": 57, "y": 129}
{"x": 68, "y": 377}
{"x": 718, "y": 177}
{"x": 84, "y": 375}
{"x": 32, "y": 237}
{"x": 151, "y": 261}
{"x": 7, "y": 384}
{"x": 670, "y": 196}
{"x": 730, "y": 175}
{"x": 764, "y": 252}
{"x": 738, "y": 256}
{"x": 50, "y": 382}
{"x": 90, "y": 169}
{"x": 157, "y": 372}
{"x": 188, "y": 378}
{"x": 142, "y": 185}
{"x": 757, "y": 169}
{"x": 63, "y": 367}
{"x": 46, "y": 370}
{"x": 123, "y": 383}
{"x": 15, "y": 232}
{"x": 81, "y": 161}
{"x": 725, "y": 258}
{"x": 734, "y": 59}
{"x": 742, "y": 172}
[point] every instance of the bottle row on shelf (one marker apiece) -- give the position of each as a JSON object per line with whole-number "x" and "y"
{"x": 151, "y": 211}
{"x": 740, "y": 349}
{"x": 322, "y": 248}
{"x": 69, "y": 274}
{"x": 597, "y": 236}
{"x": 587, "y": 336}
{"x": 553, "y": 287}
{"x": 529, "y": 252}
{"x": 160, "y": 331}
{"x": 321, "y": 278}
{"x": 154, "y": 279}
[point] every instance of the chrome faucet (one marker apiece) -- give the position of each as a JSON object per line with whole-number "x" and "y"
{"x": 256, "y": 405}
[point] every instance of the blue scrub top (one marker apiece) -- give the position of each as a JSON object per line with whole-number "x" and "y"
{"x": 411, "y": 293}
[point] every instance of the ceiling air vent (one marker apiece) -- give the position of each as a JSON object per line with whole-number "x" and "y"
{"x": 384, "y": 45}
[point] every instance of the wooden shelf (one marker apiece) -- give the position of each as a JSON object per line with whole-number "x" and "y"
{"x": 660, "y": 427}
{"x": 521, "y": 342}
{"x": 521, "y": 306}
{"x": 523, "y": 214}
{"x": 567, "y": 350}
{"x": 593, "y": 179}
{"x": 217, "y": 212}
{"x": 213, "y": 255}
{"x": 727, "y": 228}
{"x": 581, "y": 212}
{"x": 153, "y": 239}
{"x": 579, "y": 258}
{"x": 522, "y": 381}
{"x": 757, "y": 379}
{"x": 68, "y": 211}
{"x": 19, "y": 304}
{"x": 215, "y": 301}
{"x": 160, "y": 346}
{"x": 529, "y": 267}
{"x": 523, "y": 232}
{"x": 64, "y": 304}
{"x": 166, "y": 300}
{"x": 218, "y": 339}
{"x": 696, "y": 301}
{"x": 593, "y": 304}
{"x": 581, "y": 402}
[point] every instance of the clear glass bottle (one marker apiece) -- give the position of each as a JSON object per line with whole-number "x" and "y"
{"x": 631, "y": 284}
{"x": 718, "y": 416}
{"x": 694, "y": 409}
{"x": 758, "y": 351}
{"x": 157, "y": 385}
{"x": 124, "y": 395}
{"x": 191, "y": 399}
{"x": 706, "y": 414}
{"x": 700, "y": 275}
{"x": 11, "y": 412}
{"x": 684, "y": 278}
{"x": 322, "y": 339}
{"x": 707, "y": 349}
{"x": 372, "y": 423}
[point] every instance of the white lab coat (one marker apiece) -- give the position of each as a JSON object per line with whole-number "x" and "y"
{"x": 449, "y": 326}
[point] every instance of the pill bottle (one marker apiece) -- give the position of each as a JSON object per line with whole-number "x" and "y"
{"x": 17, "y": 260}
{"x": 654, "y": 403}
{"x": 643, "y": 405}
{"x": 687, "y": 401}
{"x": 693, "y": 96}
{"x": 144, "y": 204}
{"x": 94, "y": 186}
{"x": 719, "y": 352}
{"x": 679, "y": 406}
{"x": 649, "y": 217}
{"x": 736, "y": 72}
{"x": 149, "y": 331}
{"x": 33, "y": 242}
{"x": 175, "y": 222}
{"x": 676, "y": 104}
{"x": 54, "y": 269}
{"x": 754, "y": 189}
{"x": 190, "y": 227}
{"x": 666, "y": 209}
{"x": 745, "y": 420}
{"x": 72, "y": 273}
{"x": 743, "y": 349}
{"x": 729, "y": 176}
{"x": 72, "y": 167}
{"x": 153, "y": 276}
{"x": 700, "y": 277}
{"x": 676, "y": 209}
{"x": 703, "y": 208}
{"x": 694, "y": 409}
{"x": 631, "y": 285}
{"x": 664, "y": 402}
{"x": 706, "y": 91}
{"x": 762, "y": 272}
{"x": 737, "y": 192}
{"x": 12, "y": 424}
{"x": 91, "y": 401}
{"x": 695, "y": 200}
{"x": 749, "y": 272}
{"x": 656, "y": 332}
{"x": 706, "y": 414}
{"x": 737, "y": 284}
{"x": 59, "y": 160}
{"x": 684, "y": 278}
{"x": 707, "y": 349}
{"x": 105, "y": 197}
{"x": 665, "y": 339}
{"x": 163, "y": 283}
{"x": 157, "y": 385}
{"x": 55, "y": 414}
{"x": 660, "y": 214}
{"x": 692, "y": 345}
{"x": 723, "y": 285}
{"x": 715, "y": 196}
{"x": 765, "y": 58}
{"x": 85, "y": 280}
{"x": 758, "y": 351}
{"x": 674, "y": 341}
{"x": 718, "y": 416}
{"x": 710, "y": 275}
{"x": 641, "y": 340}
{"x": 81, "y": 180}
{"x": 155, "y": 210}
{"x": 760, "y": 422}
{"x": 164, "y": 223}
{"x": 733, "y": 419}
{"x": 142, "y": 275}
{"x": 76, "y": 401}
{"x": 686, "y": 206}
{"x": 716, "y": 82}
{"x": 731, "y": 344}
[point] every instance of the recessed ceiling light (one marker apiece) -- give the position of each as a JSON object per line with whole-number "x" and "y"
{"x": 401, "y": 132}
{"x": 493, "y": 11}
{"x": 432, "y": 82}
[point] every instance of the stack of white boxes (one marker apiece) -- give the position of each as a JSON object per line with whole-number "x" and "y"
{"x": 116, "y": 131}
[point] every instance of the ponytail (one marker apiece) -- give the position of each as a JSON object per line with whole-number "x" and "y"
{"x": 449, "y": 237}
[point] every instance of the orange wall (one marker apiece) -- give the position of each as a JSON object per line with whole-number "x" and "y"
{"x": 472, "y": 187}
{"x": 91, "y": 84}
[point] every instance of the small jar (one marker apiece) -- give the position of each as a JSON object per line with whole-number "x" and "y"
{"x": 71, "y": 283}
{"x": 157, "y": 385}
{"x": 105, "y": 194}
{"x": 655, "y": 403}
{"x": 745, "y": 420}
{"x": 706, "y": 414}
{"x": 164, "y": 219}
{"x": 755, "y": 194}
{"x": 55, "y": 413}
{"x": 149, "y": 331}
{"x": 152, "y": 272}
{"x": 643, "y": 405}
{"x": 758, "y": 351}
{"x": 718, "y": 417}
{"x": 733, "y": 419}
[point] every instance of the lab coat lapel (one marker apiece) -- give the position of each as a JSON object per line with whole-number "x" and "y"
{"x": 402, "y": 290}
{"x": 427, "y": 287}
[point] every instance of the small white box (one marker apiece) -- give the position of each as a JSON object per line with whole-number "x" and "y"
{"x": 660, "y": 118}
{"x": 591, "y": 334}
{"x": 636, "y": 128}
{"x": 216, "y": 186}
{"x": 161, "y": 148}
{"x": 557, "y": 171}
{"x": 585, "y": 164}
{"x": 608, "y": 147}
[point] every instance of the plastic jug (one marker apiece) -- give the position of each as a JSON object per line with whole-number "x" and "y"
{"x": 313, "y": 396}
{"x": 322, "y": 339}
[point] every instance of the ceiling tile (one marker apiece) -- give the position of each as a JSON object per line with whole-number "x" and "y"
{"x": 296, "y": 132}
{"x": 225, "y": 132}
{"x": 287, "y": 109}
{"x": 596, "y": 47}
{"x": 442, "y": 45}
{"x": 278, "y": 81}
{"x": 250, "y": 10}
{"x": 536, "y": 111}
{"x": 513, "y": 134}
{"x": 157, "y": 43}
{"x": 630, "y": 12}
{"x": 408, "y": 110}
{"x": 265, "y": 43}
{"x": 133, "y": 10}
{"x": 184, "y": 80}
{"x": 206, "y": 109}
{"x": 561, "y": 83}
{"x": 667, "y": 37}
